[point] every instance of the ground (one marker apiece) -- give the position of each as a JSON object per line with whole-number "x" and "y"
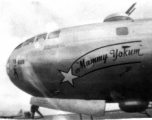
{"x": 108, "y": 115}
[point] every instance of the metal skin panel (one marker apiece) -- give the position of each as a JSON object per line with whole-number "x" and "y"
{"x": 87, "y": 107}
{"x": 89, "y": 69}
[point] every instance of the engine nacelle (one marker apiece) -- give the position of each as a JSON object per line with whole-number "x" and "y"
{"x": 88, "y": 107}
{"x": 134, "y": 105}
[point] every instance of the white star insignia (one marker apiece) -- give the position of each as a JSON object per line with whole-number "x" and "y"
{"x": 68, "y": 77}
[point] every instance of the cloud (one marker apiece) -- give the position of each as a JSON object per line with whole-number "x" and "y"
{"x": 26, "y": 18}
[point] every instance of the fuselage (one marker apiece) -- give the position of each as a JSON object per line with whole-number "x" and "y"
{"x": 87, "y": 62}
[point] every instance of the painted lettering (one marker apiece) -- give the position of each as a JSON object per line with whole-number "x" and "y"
{"x": 86, "y": 63}
{"x": 125, "y": 52}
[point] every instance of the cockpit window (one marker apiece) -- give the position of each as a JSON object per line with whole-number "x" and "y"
{"x": 19, "y": 46}
{"x": 122, "y": 31}
{"x": 27, "y": 42}
{"x": 41, "y": 37}
{"x": 54, "y": 34}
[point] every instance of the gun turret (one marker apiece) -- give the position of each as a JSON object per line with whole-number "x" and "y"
{"x": 131, "y": 9}
{"x": 121, "y": 16}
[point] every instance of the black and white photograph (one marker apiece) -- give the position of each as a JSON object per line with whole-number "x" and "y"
{"x": 76, "y": 59}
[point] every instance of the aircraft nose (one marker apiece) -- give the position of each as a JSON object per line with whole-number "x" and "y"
{"x": 7, "y": 67}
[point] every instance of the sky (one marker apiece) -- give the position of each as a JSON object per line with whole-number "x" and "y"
{"x": 20, "y": 20}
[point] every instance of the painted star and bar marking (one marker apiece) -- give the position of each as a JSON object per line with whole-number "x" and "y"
{"x": 68, "y": 77}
